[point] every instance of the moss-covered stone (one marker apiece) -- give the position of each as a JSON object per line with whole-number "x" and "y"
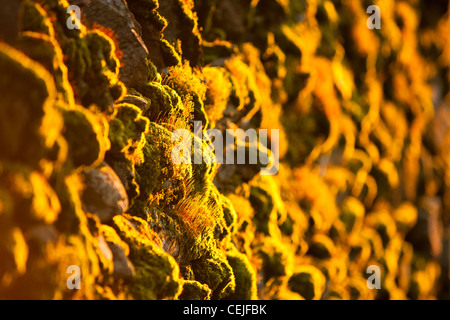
{"x": 215, "y": 271}
{"x": 308, "y": 281}
{"x": 321, "y": 247}
{"x": 157, "y": 273}
{"x": 30, "y": 124}
{"x": 194, "y": 290}
{"x": 244, "y": 274}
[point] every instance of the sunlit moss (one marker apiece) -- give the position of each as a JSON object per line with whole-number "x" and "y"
{"x": 26, "y": 85}
{"x": 194, "y": 290}
{"x": 307, "y": 281}
{"x": 215, "y": 271}
{"x": 363, "y": 138}
{"x": 157, "y": 273}
{"x": 218, "y": 93}
{"x": 244, "y": 274}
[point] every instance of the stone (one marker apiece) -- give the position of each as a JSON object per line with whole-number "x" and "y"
{"x": 104, "y": 193}
{"x": 141, "y": 103}
{"x": 115, "y": 15}
{"x": 122, "y": 265}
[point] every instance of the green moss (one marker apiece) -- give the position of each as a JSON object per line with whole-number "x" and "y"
{"x": 229, "y": 214}
{"x": 160, "y": 180}
{"x": 244, "y": 274}
{"x": 200, "y": 218}
{"x": 127, "y": 136}
{"x": 157, "y": 273}
{"x": 189, "y": 85}
{"x": 89, "y": 55}
{"x": 111, "y": 237}
{"x": 309, "y": 282}
{"x": 170, "y": 56}
{"x": 34, "y": 18}
{"x": 146, "y": 10}
{"x": 127, "y": 132}
{"x": 186, "y": 30}
{"x": 194, "y": 290}
{"x": 321, "y": 247}
{"x": 47, "y": 52}
{"x": 154, "y": 75}
{"x": 287, "y": 227}
{"x": 274, "y": 260}
{"x": 29, "y": 124}
{"x": 89, "y": 148}
{"x": 164, "y": 103}
{"x": 262, "y": 202}
{"x": 153, "y": 24}
{"x": 215, "y": 271}
{"x": 102, "y": 85}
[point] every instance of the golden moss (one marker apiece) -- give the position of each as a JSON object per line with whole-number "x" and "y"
{"x": 363, "y": 144}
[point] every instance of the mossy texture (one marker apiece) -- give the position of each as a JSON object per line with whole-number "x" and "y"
{"x": 363, "y": 143}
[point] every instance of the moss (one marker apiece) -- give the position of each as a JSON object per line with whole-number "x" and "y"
{"x": 229, "y": 214}
{"x": 244, "y": 274}
{"x": 194, "y": 290}
{"x": 47, "y": 52}
{"x": 405, "y": 217}
{"x": 101, "y": 82}
{"x": 308, "y": 281}
{"x": 200, "y": 218}
{"x": 265, "y": 200}
{"x": 165, "y": 105}
{"x": 215, "y": 271}
{"x": 60, "y": 113}
{"x": 93, "y": 67}
{"x": 275, "y": 259}
{"x": 147, "y": 13}
{"x": 154, "y": 74}
{"x": 321, "y": 247}
{"x": 218, "y": 93}
{"x": 111, "y": 237}
{"x": 157, "y": 273}
{"x": 35, "y": 18}
{"x": 383, "y": 223}
{"x": 214, "y": 51}
{"x": 169, "y": 55}
{"x": 287, "y": 227}
{"x": 127, "y": 136}
{"x": 157, "y": 176}
{"x": 29, "y": 123}
{"x": 127, "y": 133}
{"x": 146, "y": 10}
{"x": 188, "y": 83}
{"x": 183, "y": 27}
{"x": 89, "y": 148}
{"x": 263, "y": 205}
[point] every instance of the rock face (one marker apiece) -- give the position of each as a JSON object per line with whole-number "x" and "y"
{"x": 89, "y": 171}
{"x": 104, "y": 193}
{"x": 114, "y": 18}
